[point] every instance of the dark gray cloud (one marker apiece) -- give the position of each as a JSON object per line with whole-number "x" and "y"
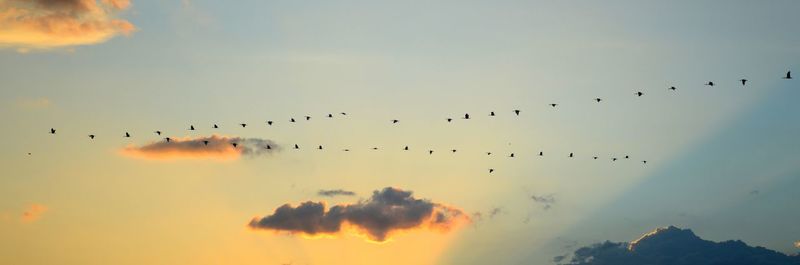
{"x": 208, "y": 147}
{"x": 386, "y": 211}
{"x": 336, "y": 192}
{"x": 674, "y": 246}
{"x": 546, "y": 201}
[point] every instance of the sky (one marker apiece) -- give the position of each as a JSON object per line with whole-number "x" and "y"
{"x": 722, "y": 160}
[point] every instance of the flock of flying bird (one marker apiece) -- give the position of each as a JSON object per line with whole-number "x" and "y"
{"x": 406, "y": 148}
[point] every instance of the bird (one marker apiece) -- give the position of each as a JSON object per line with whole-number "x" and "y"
{"x": 234, "y": 145}
{"x": 639, "y": 93}
{"x": 466, "y": 116}
{"x": 541, "y": 153}
{"x": 598, "y": 100}
{"x": 296, "y": 146}
{"x": 395, "y": 121}
{"x": 491, "y": 113}
{"x": 449, "y": 119}
{"x": 158, "y": 132}
{"x": 127, "y": 135}
{"x": 375, "y": 148}
{"x": 29, "y": 154}
{"x": 491, "y": 170}
{"x": 405, "y": 148}
{"x": 672, "y": 88}
{"x": 516, "y": 111}
{"x": 571, "y": 155}
{"x": 614, "y": 159}
{"x": 710, "y": 83}
{"x": 320, "y": 147}
{"x": 511, "y": 155}
{"x": 191, "y": 127}
{"x": 168, "y": 139}
{"x": 644, "y": 161}
{"x": 488, "y": 153}
{"x": 91, "y": 136}
{"x": 553, "y": 105}
{"x": 454, "y": 150}
{"x": 269, "y": 123}
{"x": 430, "y": 152}
{"x": 205, "y": 142}
{"x": 308, "y": 117}
{"x": 291, "y": 120}
{"x": 594, "y": 157}
{"x": 788, "y": 75}
{"x": 268, "y": 147}
{"x": 330, "y": 115}
{"x": 743, "y": 81}
{"x": 52, "y": 131}
{"x": 243, "y": 124}
{"x": 343, "y": 113}
{"x": 215, "y": 126}
{"x": 627, "y": 157}
{"x": 346, "y": 150}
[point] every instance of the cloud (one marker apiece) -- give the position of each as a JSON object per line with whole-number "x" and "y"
{"x": 336, "y": 192}
{"x": 33, "y": 103}
{"x": 387, "y": 211}
{"x": 547, "y": 201}
{"x": 218, "y": 148}
{"x": 674, "y": 246}
{"x": 797, "y": 244}
{"x": 33, "y": 213}
{"x": 47, "y": 24}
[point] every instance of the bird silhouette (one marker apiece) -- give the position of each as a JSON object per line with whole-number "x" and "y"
{"x": 639, "y": 93}
{"x": 598, "y": 100}
{"x": 488, "y": 153}
{"x": 330, "y": 115}
{"x": 343, "y": 113}
{"x": 466, "y": 116}
{"x": 291, "y": 120}
{"x": 788, "y": 75}
{"x": 269, "y": 123}
{"x": 205, "y": 142}
{"x": 405, "y": 148}
{"x": 644, "y": 161}
{"x": 296, "y": 146}
{"x": 375, "y": 148}
{"x": 91, "y": 136}
{"x": 269, "y": 147}
{"x": 553, "y": 105}
{"x": 346, "y": 150}
{"x": 234, "y": 145}
{"x": 191, "y": 127}
{"x": 29, "y": 154}
{"x": 449, "y": 119}
{"x": 516, "y": 111}
{"x": 541, "y": 153}
{"x": 571, "y": 155}
{"x": 594, "y": 157}
{"x": 491, "y": 170}
{"x": 168, "y": 139}
{"x": 243, "y": 124}
{"x": 127, "y": 135}
{"x": 395, "y": 121}
{"x": 614, "y": 159}
{"x": 52, "y": 131}
{"x": 710, "y": 83}
{"x": 454, "y": 150}
{"x": 158, "y": 132}
{"x": 215, "y": 126}
{"x": 744, "y": 81}
{"x": 627, "y": 157}
{"x": 491, "y": 113}
{"x": 430, "y": 152}
{"x": 308, "y": 117}
{"x": 320, "y": 147}
{"x": 672, "y": 88}
{"x": 511, "y": 155}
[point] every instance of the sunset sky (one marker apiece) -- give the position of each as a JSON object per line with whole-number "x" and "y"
{"x": 723, "y": 160}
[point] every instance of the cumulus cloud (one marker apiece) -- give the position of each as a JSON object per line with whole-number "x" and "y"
{"x": 33, "y": 213}
{"x": 210, "y": 147}
{"x": 336, "y": 192}
{"x": 546, "y": 201}
{"x": 46, "y": 24}
{"x": 387, "y": 211}
{"x": 675, "y": 246}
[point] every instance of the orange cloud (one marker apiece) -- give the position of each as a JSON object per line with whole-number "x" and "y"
{"x": 211, "y": 147}
{"x": 387, "y": 212}
{"x": 33, "y": 213}
{"x": 47, "y": 24}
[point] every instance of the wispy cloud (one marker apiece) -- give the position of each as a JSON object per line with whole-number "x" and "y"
{"x": 546, "y": 201}
{"x": 33, "y": 103}
{"x": 386, "y": 212}
{"x": 46, "y": 24}
{"x": 211, "y": 147}
{"x": 33, "y": 213}
{"x": 336, "y": 192}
